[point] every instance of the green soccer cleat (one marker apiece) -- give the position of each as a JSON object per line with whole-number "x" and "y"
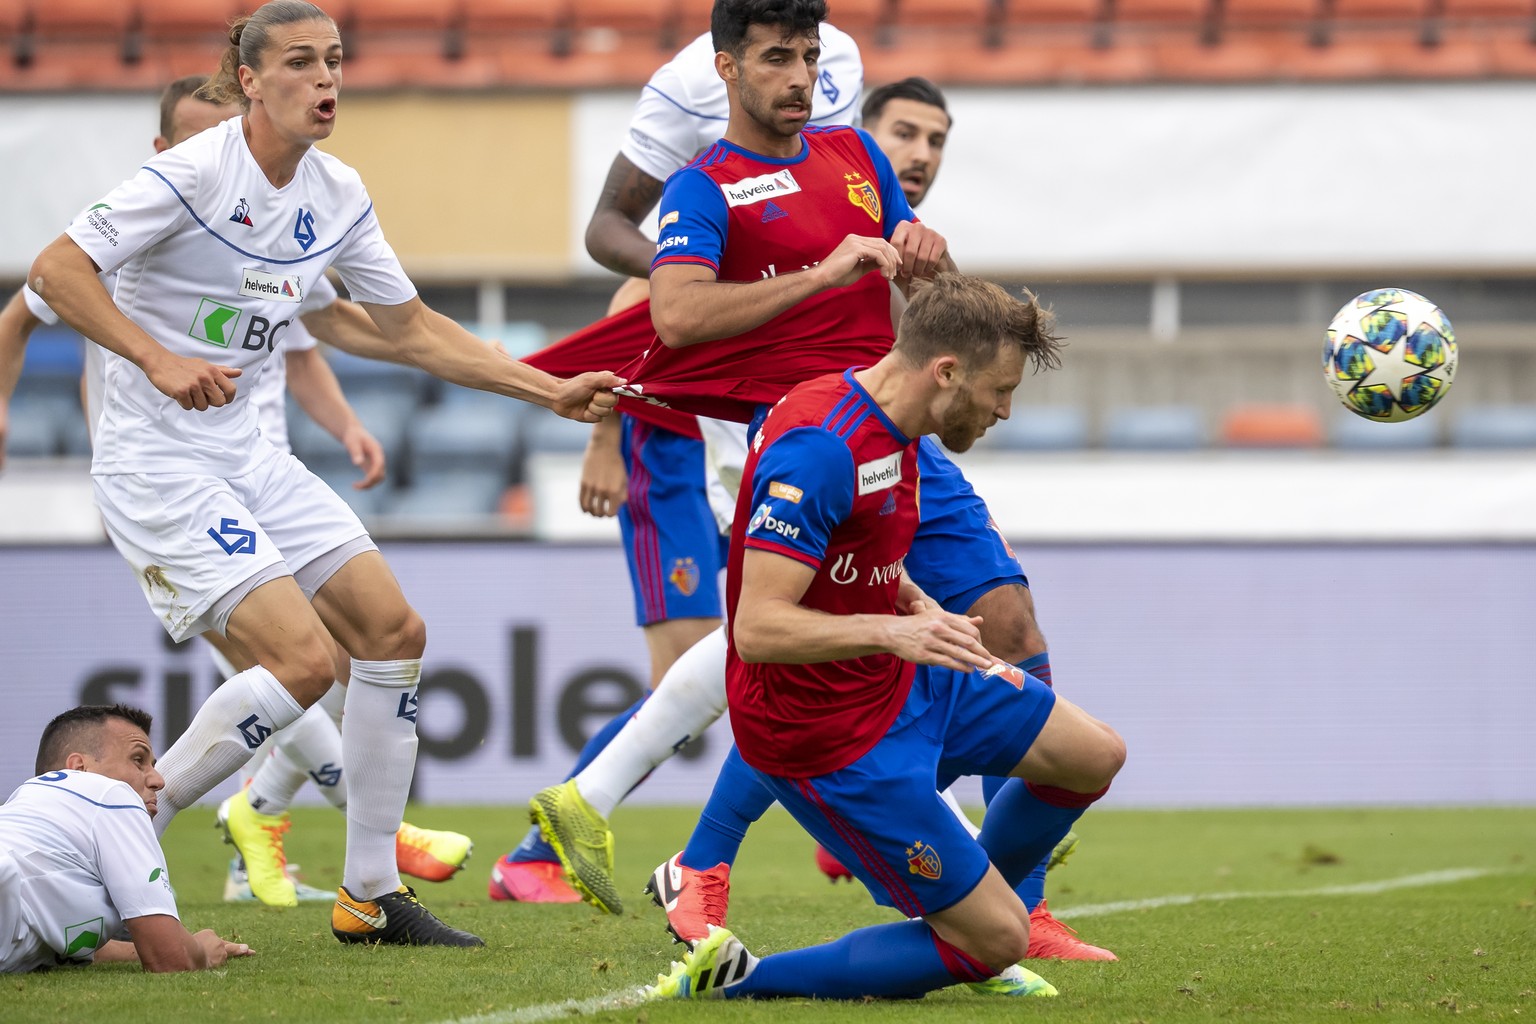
{"x": 716, "y": 962}
{"x": 582, "y": 840}
{"x": 1015, "y": 981}
{"x": 259, "y": 838}
{"x": 1063, "y": 850}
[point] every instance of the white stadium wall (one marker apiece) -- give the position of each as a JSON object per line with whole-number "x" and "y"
{"x": 1240, "y": 675}
{"x": 1091, "y": 182}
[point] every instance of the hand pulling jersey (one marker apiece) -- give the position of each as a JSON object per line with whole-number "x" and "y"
{"x": 832, "y": 483}
{"x": 214, "y": 262}
{"x": 78, "y": 857}
{"x": 748, "y": 217}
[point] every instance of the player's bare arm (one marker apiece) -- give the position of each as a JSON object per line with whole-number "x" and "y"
{"x": 67, "y": 280}
{"x": 771, "y": 625}
{"x": 314, "y": 386}
{"x": 163, "y": 945}
{"x": 604, "y": 480}
{"x": 16, "y": 325}
{"x": 614, "y": 238}
{"x": 690, "y": 305}
{"x": 444, "y": 349}
{"x": 347, "y": 326}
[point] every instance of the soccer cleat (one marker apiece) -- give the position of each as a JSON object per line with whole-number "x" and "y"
{"x": 395, "y": 918}
{"x": 1017, "y": 980}
{"x": 1049, "y": 939}
{"x": 430, "y": 855}
{"x": 259, "y": 838}
{"x": 831, "y": 866}
{"x": 582, "y": 840}
{"x": 530, "y": 881}
{"x": 1063, "y": 850}
{"x": 237, "y": 887}
{"x": 694, "y": 901}
{"x": 717, "y": 961}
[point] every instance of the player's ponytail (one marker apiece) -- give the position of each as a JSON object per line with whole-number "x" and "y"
{"x": 247, "y": 44}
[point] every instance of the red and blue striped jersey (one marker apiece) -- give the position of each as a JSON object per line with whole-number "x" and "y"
{"x": 749, "y": 217}
{"x": 832, "y": 483}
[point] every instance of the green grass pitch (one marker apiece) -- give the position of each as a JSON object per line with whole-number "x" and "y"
{"x": 1216, "y": 915}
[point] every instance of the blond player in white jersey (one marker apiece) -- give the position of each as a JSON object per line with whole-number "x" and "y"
{"x": 216, "y": 241}
{"x": 79, "y": 862}
{"x": 310, "y": 748}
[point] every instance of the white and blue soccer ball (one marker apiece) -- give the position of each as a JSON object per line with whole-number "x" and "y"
{"x": 1390, "y": 355}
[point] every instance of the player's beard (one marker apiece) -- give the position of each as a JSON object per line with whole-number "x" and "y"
{"x": 765, "y": 111}
{"x": 963, "y": 423}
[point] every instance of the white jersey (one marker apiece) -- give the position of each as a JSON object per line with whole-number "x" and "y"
{"x": 78, "y": 857}
{"x": 684, "y": 108}
{"x": 214, "y": 263}
{"x": 267, "y": 392}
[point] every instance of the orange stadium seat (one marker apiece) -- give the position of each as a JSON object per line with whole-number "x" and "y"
{"x": 511, "y": 16}
{"x": 1379, "y": 10}
{"x": 625, "y": 16}
{"x": 1163, "y": 12}
{"x": 183, "y": 37}
{"x": 1070, "y": 22}
{"x": 1272, "y": 426}
{"x": 395, "y": 30}
{"x": 945, "y": 14}
{"x": 1270, "y": 13}
{"x": 1488, "y": 9}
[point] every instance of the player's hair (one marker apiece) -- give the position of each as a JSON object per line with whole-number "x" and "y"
{"x": 918, "y": 89}
{"x": 79, "y": 729}
{"x": 174, "y": 94}
{"x": 247, "y": 40}
{"x": 731, "y": 20}
{"x": 967, "y": 317}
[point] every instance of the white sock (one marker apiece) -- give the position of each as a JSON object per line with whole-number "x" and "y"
{"x": 379, "y": 750}
{"x": 308, "y": 749}
{"x": 334, "y": 702}
{"x": 948, "y": 796}
{"x": 236, "y": 719}
{"x": 227, "y": 670}
{"x": 687, "y": 700}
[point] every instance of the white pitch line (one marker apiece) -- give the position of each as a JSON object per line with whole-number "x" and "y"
{"x": 1355, "y": 889}
{"x": 626, "y": 998}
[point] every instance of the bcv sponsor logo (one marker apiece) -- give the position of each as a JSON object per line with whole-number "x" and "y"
{"x": 880, "y": 474}
{"x": 754, "y": 190}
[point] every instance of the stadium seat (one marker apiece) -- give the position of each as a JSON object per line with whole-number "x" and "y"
{"x": 1270, "y": 13}
{"x": 370, "y": 378}
{"x": 1155, "y": 428}
{"x": 1495, "y": 426}
{"x": 447, "y": 495}
{"x": 494, "y": 17}
{"x": 36, "y": 429}
{"x": 1272, "y": 426}
{"x": 1356, "y": 432}
{"x": 969, "y": 17}
{"x": 544, "y": 432}
{"x": 1163, "y": 13}
{"x": 429, "y": 31}
{"x": 76, "y": 436}
{"x": 636, "y": 23}
{"x": 461, "y": 437}
{"x": 1039, "y": 428}
{"x": 340, "y": 477}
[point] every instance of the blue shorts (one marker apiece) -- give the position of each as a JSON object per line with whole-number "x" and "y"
{"x": 958, "y": 554}
{"x": 673, "y": 545}
{"x": 882, "y": 815}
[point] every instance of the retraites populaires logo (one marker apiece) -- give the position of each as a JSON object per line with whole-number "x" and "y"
{"x": 96, "y": 217}
{"x": 765, "y": 186}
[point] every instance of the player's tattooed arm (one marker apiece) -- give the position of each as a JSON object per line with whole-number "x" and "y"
{"x": 613, "y": 237}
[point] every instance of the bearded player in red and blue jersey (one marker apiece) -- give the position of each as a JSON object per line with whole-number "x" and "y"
{"x": 851, "y": 691}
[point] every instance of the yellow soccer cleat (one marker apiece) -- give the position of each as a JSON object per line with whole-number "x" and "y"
{"x": 1015, "y": 981}
{"x": 430, "y": 855}
{"x": 582, "y": 840}
{"x": 259, "y": 838}
{"x": 715, "y": 963}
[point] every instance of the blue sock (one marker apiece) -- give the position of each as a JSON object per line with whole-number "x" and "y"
{"x": 533, "y": 846}
{"x": 1032, "y": 889}
{"x": 1024, "y": 824}
{"x": 1039, "y": 666}
{"x": 990, "y": 784}
{"x": 894, "y": 961}
{"x": 737, "y": 800}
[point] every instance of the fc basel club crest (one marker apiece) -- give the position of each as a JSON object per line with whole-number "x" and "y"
{"x": 684, "y": 576}
{"x": 862, "y": 194}
{"x": 923, "y": 859}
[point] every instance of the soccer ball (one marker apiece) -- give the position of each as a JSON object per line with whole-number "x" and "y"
{"x": 1390, "y": 354}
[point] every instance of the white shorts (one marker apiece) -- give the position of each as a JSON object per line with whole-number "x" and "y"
{"x": 191, "y": 540}
{"x": 725, "y": 460}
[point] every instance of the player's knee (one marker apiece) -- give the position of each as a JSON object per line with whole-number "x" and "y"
{"x": 1006, "y": 944}
{"x": 400, "y": 635}
{"x": 306, "y": 670}
{"x": 1098, "y": 760}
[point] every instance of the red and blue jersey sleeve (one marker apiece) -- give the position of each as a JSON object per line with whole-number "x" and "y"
{"x": 893, "y": 201}
{"x": 802, "y": 488}
{"x": 692, "y": 221}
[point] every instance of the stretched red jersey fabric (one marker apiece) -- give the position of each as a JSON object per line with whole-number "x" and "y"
{"x": 613, "y": 342}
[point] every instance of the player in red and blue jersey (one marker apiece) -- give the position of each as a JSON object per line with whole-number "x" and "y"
{"x": 851, "y": 691}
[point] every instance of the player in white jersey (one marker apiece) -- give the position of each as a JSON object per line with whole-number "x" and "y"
{"x": 79, "y": 863}
{"x": 217, "y": 242}
{"x": 311, "y": 747}
{"x": 681, "y": 110}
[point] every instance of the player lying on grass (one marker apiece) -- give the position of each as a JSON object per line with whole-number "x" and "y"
{"x": 851, "y": 690}
{"x": 79, "y": 862}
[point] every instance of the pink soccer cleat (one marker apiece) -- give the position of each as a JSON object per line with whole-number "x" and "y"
{"x": 530, "y": 881}
{"x": 831, "y": 866}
